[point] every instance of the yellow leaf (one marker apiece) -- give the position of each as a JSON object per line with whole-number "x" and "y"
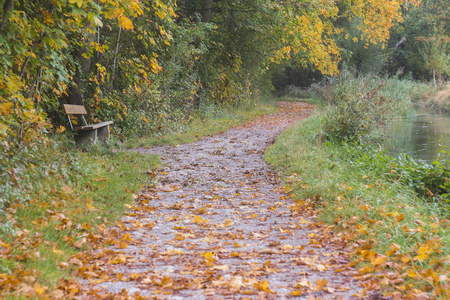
{"x": 392, "y": 249}
{"x": 39, "y": 289}
{"x": 56, "y": 251}
{"x": 262, "y": 286}
{"x": 166, "y": 281}
{"x": 422, "y": 257}
{"x": 122, "y": 277}
{"x": 378, "y": 261}
{"x": 90, "y": 207}
{"x": 405, "y": 259}
{"x": 118, "y": 259}
{"x": 5, "y": 108}
{"x": 125, "y": 22}
{"x": 320, "y": 284}
{"x": 399, "y": 217}
{"x": 413, "y": 274}
{"x": 304, "y": 221}
{"x": 207, "y": 255}
{"x": 79, "y": 3}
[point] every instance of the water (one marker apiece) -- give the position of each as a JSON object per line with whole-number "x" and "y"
{"x": 421, "y": 135}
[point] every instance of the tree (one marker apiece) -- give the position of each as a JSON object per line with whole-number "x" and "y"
{"x": 423, "y": 26}
{"x": 436, "y": 54}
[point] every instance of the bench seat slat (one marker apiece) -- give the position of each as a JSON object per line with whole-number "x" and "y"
{"x": 94, "y": 126}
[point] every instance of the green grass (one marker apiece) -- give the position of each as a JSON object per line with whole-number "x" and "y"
{"x": 366, "y": 206}
{"x": 203, "y": 125}
{"x": 79, "y": 189}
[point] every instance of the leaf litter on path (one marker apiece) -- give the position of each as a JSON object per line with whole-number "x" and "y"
{"x": 219, "y": 225}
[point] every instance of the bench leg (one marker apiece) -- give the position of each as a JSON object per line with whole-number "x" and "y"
{"x": 86, "y": 137}
{"x": 103, "y": 133}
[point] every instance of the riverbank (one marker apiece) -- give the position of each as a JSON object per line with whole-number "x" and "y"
{"x": 388, "y": 211}
{"x": 400, "y": 241}
{"x": 439, "y": 101}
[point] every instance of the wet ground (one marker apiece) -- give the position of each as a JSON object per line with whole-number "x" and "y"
{"x": 218, "y": 225}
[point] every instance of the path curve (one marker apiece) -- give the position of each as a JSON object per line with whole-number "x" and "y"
{"x": 218, "y": 225}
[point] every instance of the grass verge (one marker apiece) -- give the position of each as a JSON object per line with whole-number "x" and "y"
{"x": 72, "y": 196}
{"x": 400, "y": 241}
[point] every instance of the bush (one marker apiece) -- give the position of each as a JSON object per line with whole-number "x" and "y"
{"x": 430, "y": 181}
{"x": 360, "y": 108}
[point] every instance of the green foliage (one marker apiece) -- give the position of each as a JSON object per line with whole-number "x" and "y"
{"x": 210, "y": 119}
{"x": 24, "y": 172}
{"x": 358, "y": 53}
{"x": 422, "y": 27}
{"x": 436, "y": 55}
{"x": 428, "y": 180}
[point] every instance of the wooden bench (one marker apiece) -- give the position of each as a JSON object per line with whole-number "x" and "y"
{"x": 86, "y": 133}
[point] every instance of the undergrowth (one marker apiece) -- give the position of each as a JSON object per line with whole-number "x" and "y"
{"x": 208, "y": 120}
{"x": 359, "y": 108}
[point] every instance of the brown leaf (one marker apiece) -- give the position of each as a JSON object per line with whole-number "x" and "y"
{"x": 76, "y": 261}
{"x": 320, "y": 284}
{"x": 79, "y": 243}
{"x": 421, "y": 296}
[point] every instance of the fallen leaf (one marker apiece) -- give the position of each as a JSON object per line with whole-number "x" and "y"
{"x": 262, "y": 286}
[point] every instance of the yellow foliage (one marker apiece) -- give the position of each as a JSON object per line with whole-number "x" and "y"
{"x": 125, "y": 22}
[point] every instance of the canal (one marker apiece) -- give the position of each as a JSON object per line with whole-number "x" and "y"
{"x": 421, "y": 135}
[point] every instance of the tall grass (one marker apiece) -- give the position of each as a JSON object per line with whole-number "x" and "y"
{"x": 359, "y": 108}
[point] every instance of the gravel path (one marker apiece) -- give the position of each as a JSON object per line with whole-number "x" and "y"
{"x": 218, "y": 225}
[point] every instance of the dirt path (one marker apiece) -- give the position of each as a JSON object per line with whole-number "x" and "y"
{"x": 219, "y": 226}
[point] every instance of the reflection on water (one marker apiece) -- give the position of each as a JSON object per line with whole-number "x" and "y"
{"x": 421, "y": 135}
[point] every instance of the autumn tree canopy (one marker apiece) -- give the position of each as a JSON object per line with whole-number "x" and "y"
{"x": 142, "y": 62}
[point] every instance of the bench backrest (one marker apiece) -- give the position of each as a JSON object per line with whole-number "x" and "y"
{"x": 70, "y": 109}
{"x": 75, "y": 110}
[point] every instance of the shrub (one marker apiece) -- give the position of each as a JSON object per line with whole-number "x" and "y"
{"x": 430, "y": 181}
{"x": 360, "y": 108}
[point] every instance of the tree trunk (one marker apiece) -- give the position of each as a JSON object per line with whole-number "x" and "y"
{"x": 206, "y": 11}
{"x": 76, "y": 95}
{"x": 8, "y": 6}
{"x": 434, "y": 77}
